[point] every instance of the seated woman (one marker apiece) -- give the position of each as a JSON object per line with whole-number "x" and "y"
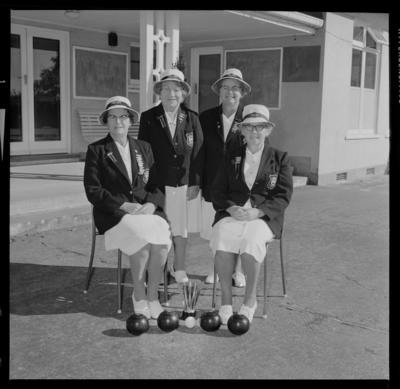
{"x": 121, "y": 183}
{"x": 250, "y": 193}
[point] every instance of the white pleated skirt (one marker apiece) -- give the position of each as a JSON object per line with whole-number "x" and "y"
{"x": 240, "y": 237}
{"x": 133, "y": 232}
{"x": 184, "y": 216}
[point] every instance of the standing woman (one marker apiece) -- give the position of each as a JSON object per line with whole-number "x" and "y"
{"x": 120, "y": 181}
{"x": 221, "y": 134}
{"x": 252, "y": 189}
{"x": 176, "y": 138}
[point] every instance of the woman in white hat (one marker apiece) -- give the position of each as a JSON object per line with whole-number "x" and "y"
{"x": 221, "y": 134}
{"x": 175, "y": 135}
{"x": 252, "y": 189}
{"x": 121, "y": 183}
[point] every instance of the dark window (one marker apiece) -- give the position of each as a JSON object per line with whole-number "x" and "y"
{"x": 370, "y": 70}
{"x": 356, "y": 68}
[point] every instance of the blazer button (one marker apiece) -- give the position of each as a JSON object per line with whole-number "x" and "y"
{"x": 175, "y": 156}
{"x": 130, "y": 192}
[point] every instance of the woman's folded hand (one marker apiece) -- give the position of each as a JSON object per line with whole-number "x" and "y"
{"x": 146, "y": 209}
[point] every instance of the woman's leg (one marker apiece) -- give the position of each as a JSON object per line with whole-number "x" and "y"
{"x": 251, "y": 270}
{"x": 180, "y": 244}
{"x": 225, "y": 263}
{"x": 138, "y": 262}
{"x": 158, "y": 257}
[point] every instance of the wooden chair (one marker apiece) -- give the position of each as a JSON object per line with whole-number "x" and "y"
{"x": 119, "y": 270}
{"x": 265, "y": 276}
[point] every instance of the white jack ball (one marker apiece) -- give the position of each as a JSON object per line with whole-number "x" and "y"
{"x": 190, "y": 322}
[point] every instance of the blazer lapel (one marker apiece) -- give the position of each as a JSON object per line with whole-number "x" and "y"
{"x": 180, "y": 121}
{"x": 266, "y": 157}
{"x": 162, "y": 120}
{"x": 114, "y": 156}
{"x": 220, "y": 123}
{"x": 234, "y": 127}
{"x": 134, "y": 163}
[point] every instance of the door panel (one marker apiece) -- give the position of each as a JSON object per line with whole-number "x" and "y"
{"x": 206, "y": 68}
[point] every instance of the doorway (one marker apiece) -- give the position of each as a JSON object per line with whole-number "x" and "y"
{"x": 39, "y": 91}
{"x": 206, "y": 68}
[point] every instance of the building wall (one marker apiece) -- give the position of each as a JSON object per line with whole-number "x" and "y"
{"x": 340, "y": 153}
{"x": 298, "y": 119}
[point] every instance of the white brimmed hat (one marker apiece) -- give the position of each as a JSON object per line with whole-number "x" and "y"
{"x": 173, "y": 74}
{"x": 117, "y": 102}
{"x": 231, "y": 74}
{"x": 255, "y": 114}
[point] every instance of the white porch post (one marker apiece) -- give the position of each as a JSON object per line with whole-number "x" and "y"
{"x": 146, "y": 59}
{"x": 159, "y": 30}
{"x": 172, "y": 26}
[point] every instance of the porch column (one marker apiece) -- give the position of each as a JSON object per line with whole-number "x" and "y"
{"x": 146, "y": 59}
{"x": 172, "y": 26}
{"x": 159, "y": 32}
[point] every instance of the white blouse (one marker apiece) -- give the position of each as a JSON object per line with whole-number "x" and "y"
{"x": 251, "y": 165}
{"x": 171, "y": 119}
{"x": 126, "y": 157}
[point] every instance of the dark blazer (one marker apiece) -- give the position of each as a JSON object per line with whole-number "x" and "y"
{"x": 107, "y": 184}
{"x": 214, "y": 145}
{"x": 179, "y": 161}
{"x": 271, "y": 192}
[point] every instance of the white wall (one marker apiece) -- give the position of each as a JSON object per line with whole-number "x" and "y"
{"x": 338, "y": 154}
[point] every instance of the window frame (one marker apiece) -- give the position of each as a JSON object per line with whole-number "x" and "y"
{"x": 361, "y": 132}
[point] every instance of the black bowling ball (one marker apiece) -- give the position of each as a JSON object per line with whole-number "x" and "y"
{"x": 168, "y": 321}
{"x": 136, "y": 324}
{"x": 210, "y": 321}
{"x": 238, "y": 324}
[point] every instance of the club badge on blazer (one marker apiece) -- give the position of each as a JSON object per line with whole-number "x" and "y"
{"x": 189, "y": 139}
{"x": 111, "y": 156}
{"x": 272, "y": 179}
{"x": 144, "y": 172}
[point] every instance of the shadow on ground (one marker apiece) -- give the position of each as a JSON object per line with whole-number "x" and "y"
{"x": 45, "y": 290}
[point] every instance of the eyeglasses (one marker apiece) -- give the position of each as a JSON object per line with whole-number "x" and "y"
{"x": 233, "y": 88}
{"x": 259, "y": 128}
{"x": 167, "y": 89}
{"x": 122, "y": 117}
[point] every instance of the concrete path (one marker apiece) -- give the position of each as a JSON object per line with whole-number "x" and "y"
{"x": 334, "y": 323}
{"x": 51, "y": 196}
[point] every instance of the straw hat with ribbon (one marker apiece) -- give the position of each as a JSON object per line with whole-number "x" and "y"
{"x": 171, "y": 75}
{"x": 118, "y": 102}
{"x": 231, "y": 74}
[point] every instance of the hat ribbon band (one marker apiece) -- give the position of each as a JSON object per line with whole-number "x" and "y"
{"x": 172, "y": 76}
{"x": 117, "y": 103}
{"x": 255, "y": 115}
{"x": 231, "y": 75}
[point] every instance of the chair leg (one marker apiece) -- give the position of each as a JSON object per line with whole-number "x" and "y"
{"x": 214, "y": 287}
{"x": 264, "y": 315}
{"x": 90, "y": 268}
{"x": 166, "y": 302}
{"x": 282, "y": 267}
{"x": 119, "y": 282}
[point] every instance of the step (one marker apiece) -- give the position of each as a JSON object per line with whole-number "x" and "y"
{"x": 40, "y": 159}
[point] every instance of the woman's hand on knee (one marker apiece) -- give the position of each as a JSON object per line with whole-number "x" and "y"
{"x": 192, "y": 192}
{"x": 253, "y": 214}
{"x": 146, "y": 209}
{"x": 131, "y": 208}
